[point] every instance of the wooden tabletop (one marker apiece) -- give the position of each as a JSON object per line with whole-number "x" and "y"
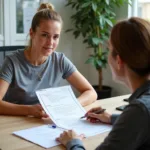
{"x": 9, "y": 124}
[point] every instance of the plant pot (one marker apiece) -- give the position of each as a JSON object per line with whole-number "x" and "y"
{"x": 104, "y": 93}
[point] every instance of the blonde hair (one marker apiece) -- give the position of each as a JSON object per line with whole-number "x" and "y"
{"x": 44, "y": 12}
{"x": 45, "y": 6}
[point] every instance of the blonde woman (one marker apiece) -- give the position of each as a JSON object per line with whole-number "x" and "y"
{"x": 38, "y": 67}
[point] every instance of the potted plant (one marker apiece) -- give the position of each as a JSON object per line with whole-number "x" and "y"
{"x": 93, "y": 19}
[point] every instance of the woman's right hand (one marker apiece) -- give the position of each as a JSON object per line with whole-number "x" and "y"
{"x": 103, "y": 117}
{"x": 37, "y": 111}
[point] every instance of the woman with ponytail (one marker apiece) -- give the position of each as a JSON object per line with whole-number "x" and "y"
{"x": 39, "y": 66}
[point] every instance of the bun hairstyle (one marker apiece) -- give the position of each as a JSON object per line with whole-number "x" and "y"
{"x": 44, "y": 12}
{"x": 130, "y": 39}
{"x": 46, "y": 6}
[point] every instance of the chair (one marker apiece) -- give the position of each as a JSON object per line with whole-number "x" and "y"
{"x": 5, "y": 49}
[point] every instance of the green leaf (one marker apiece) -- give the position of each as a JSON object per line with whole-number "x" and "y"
{"x": 68, "y": 30}
{"x": 76, "y": 34}
{"x": 77, "y": 7}
{"x": 85, "y": 41}
{"x": 85, "y": 4}
{"x": 109, "y": 22}
{"x": 102, "y": 21}
{"x": 94, "y": 6}
{"x": 96, "y": 41}
{"x": 103, "y": 57}
{"x": 73, "y": 5}
{"x": 90, "y": 60}
{"x": 107, "y": 2}
{"x": 99, "y": 62}
{"x": 69, "y": 3}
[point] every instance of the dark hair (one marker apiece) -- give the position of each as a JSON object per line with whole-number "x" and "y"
{"x": 45, "y": 12}
{"x": 130, "y": 39}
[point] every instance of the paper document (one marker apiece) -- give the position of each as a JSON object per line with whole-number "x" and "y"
{"x": 43, "y": 135}
{"x": 60, "y": 104}
{"x": 65, "y": 111}
{"x": 87, "y": 128}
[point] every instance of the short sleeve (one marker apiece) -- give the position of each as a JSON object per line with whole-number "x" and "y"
{"x": 6, "y": 72}
{"x": 68, "y": 67}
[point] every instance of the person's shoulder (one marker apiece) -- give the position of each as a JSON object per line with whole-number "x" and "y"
{"x": 142, "y": 103}
{"x": 16, "y": 54}
{"x": 58, "y": 54}
{"x": 144, "y": 99}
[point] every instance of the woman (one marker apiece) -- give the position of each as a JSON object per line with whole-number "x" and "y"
{"x": 38, "y": 67}
{"x": 129, "y": 60}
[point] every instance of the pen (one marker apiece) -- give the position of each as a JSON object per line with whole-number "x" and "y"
{"x": 54, "y": 126}
{"x": 96, "y": 112}
{"x": 51, "y": 126}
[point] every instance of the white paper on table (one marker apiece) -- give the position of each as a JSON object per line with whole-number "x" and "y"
{"x": 43, "y": 135}
{"x": 60, "y": 104}
{"x": 65, "y": 111}
{"x": 82, "y": 126}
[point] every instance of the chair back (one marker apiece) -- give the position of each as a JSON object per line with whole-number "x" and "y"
{"x": 5, "y": 49}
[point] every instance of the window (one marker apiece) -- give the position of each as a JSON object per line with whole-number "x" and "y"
{"x": 144, "y": 9}
{"x": 17, "y": 20}
{"x": 140, "y": 8}
{"x": 25, "y": 10}
{"x": 1, "y": 17}
{"x": 1, "y": 23}
{"x": 22, "y": 12}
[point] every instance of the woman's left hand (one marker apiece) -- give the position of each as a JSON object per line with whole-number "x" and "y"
{"x": 67, "y": 136}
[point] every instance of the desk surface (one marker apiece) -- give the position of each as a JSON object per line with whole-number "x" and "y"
{"x": 9, "y": 124}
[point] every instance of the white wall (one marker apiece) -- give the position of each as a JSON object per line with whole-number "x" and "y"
{"x": 78, "y": 53}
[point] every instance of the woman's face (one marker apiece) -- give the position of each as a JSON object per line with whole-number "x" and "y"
{"x": 116, "y": 66}
{"x": 46, "y": 37}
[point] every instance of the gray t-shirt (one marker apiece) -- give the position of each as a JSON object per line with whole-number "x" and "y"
{"x": 25, "y": 78}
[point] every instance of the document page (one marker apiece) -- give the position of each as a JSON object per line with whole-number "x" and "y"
{"x": 43, "y": 135}
{"x": 87, "y": 128}
{"x": 65, "y": 111}
{"x": 60, "y": 104}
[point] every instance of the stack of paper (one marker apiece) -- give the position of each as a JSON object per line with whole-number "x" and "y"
{"x": 65, "y": 111}
{"x": 42, "y": 135}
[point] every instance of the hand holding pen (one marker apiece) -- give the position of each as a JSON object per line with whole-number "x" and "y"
{"x": 100, "y": 111}
{"x": 98, "y": 115}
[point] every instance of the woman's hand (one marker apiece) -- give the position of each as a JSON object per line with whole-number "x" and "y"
{"x": 37, "y": 111}
{"x": 67, "y": 136}
{"x": 93, "y": 117}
